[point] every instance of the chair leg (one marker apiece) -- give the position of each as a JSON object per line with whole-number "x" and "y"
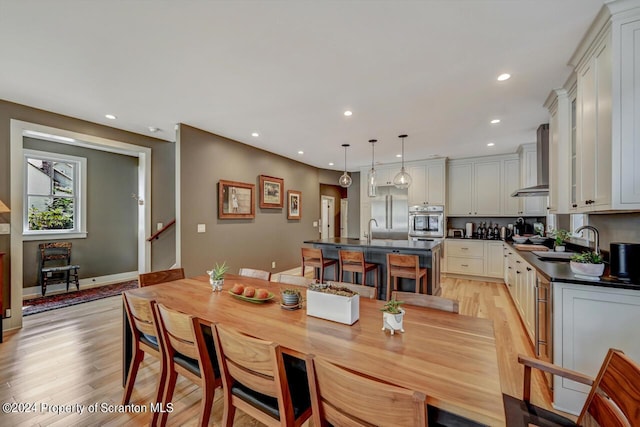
{"x": 206, "y": 403}
{"x": 75, "y": 275}
{"x": 170, "y": 387}
{"x": 321, "y": 274}
{"x": 133, "y": 373}
{"x": 229, "y": 411}
{"x": 388, "y": 284}
{"x": 68, "y": 277}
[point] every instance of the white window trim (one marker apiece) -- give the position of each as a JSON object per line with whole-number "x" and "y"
{"x": 80, "y": 229}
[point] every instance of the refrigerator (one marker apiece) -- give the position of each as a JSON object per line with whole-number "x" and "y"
{"x": 391, "y": 211}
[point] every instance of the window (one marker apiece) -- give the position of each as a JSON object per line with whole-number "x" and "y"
{"x": 54, "y": 194}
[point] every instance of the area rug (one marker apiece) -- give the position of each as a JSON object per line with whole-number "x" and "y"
{"x": 42, "y": 304}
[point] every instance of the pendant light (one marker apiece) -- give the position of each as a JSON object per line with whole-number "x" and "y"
{"x": 372, "y": 185}
{"x": 402, "y": 180}
{"x": 345, "y": 179}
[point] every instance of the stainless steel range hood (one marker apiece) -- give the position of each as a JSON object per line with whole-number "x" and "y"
{"x": 542, "y": 150}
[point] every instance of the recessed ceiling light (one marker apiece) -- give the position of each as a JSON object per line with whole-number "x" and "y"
{"x": 110, "y": 116}
{"x": 491, "y": 144}
{"x": 348, "y": 113}
{"x": 330, "y": 163}
{"x": 154, "y": 129}
{"x": 255, "y": 134}
{"x": 503, "y": 77}
{"x": 300, "y": 152}
{"x": 398, "y": 155}
{"x": 495, "y": 121}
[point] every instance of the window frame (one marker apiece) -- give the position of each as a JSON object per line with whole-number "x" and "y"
{"x": 80, "y": 189}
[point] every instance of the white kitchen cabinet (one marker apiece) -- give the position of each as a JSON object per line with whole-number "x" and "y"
{"x": 459, "y": 189}
{"x": 587, "y": 321}
{"x": 511, "y": 183}
{"x": 465, "y": 256}
{"x": 594, "y": 129}
{"x": 384, "y": 174}
{"x": 530, "y": 206}
{"x": 494, "y": 259}
{"x": 487, "y": 196}
{"x": 521, "y": 283}
{"x": 561, "y": 104}
{"x": 428, "y": 185}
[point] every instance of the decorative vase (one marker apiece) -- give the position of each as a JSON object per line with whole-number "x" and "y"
{"x": 290, "y": 299}
{"x": 393, "y": 322}
{"x": 589, "y": 271}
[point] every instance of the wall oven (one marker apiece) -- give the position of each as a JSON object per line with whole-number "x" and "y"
{"x": 426, "y": 221}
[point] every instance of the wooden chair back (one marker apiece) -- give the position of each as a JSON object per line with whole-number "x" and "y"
{"x": 162, "y": 276}
{"x": 258, "y": 274}
{"x": 337, "y": 398}
{"x": 429, "y": 301}
{"x": 351, "y": 257}
{"x": 294, "y": 280}
{"x": 313, "y": 255}
{"x": 363, "y": 291}
{"x": 404, "y": 262}
{"x": 141, "y": 314}
{"x": 55, "y": 254}
{"x": 179, "y": 331}
{"x": 614, "y": 400}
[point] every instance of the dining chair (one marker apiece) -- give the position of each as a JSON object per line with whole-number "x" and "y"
{"x": 145, "y": 339}
{"x": 161, "y": 276}
{"x": 256, "y": 380}
{"x": 258, "y": 274}
{"x": 55, "y": 265}
{"x": 614, "y": 399}
{"x": 290, "y": 279}
{"x": 364, "y": 291}
{"x": 429, "y": 301}
{"x": 354, "y": 263}
{"x": 313, "y": 257}
{"x": 342, "y": 397}
{"x": 405, "y": 266}
{"x": 188, "y": 352}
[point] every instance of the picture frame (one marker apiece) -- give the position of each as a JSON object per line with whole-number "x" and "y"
{"x": 294, "y": 204}
{"x": 271, "y": 192}
{"x": 236, "y": 200}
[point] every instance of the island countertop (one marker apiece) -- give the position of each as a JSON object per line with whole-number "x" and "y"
{"x": 426, "y": 245}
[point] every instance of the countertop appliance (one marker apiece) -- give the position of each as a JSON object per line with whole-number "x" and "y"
{"x": 468, "y": 230}
{"x": 426, "y": 221}
{"x": 390, "y": 209}
{"x": 623, "y": 261}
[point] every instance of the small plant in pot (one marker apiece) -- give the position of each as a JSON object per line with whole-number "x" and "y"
{"x": 216, "y": 276}
{"x": 588, "y": 265}
{"x": 560, "y": 236}
{"x": 291, "y": 297}
{"x": 392, "y": 316}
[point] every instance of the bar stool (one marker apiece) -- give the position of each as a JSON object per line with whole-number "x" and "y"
{"x": 353, "y": 262}
{"x": 313, "y": 258}
{"x": 406, "y": 266}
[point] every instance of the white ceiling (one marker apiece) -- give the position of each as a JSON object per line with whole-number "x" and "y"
{"x": 289, "y": 69}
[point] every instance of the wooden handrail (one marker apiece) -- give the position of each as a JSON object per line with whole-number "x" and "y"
{"x": 162, "y": 230}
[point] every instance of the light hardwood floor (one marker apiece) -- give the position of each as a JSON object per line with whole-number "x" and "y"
{"x": 72, "y": 356}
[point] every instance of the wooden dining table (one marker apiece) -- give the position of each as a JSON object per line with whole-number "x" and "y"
{"x": 451, "y": 358}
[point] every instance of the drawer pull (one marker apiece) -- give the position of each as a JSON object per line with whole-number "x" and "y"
{"x": 464, "y": 265}
{"x": 464, "y": 249}
{"x": 518, "y": 261}
{"x": 528, "y": 268}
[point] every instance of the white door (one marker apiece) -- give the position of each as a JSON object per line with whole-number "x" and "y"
{"x": 328, "y": 217}
{"x": 344, "y": 218}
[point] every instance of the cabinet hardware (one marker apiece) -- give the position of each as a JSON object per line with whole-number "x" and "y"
{"x": 464, "y": 249}
{"x": 574, "y": 205}
{"x": 518, "y": 271}
{"x": 528, "y": 268}
{"x": 464, "y": 265}
{"x": 518, "y": 261}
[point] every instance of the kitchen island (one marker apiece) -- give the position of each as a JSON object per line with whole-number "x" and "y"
{"x": 428, "y": 251}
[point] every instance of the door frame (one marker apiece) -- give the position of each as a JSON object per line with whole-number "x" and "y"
{"x": 18, "y": 130}
{"x": 332, "y": 200}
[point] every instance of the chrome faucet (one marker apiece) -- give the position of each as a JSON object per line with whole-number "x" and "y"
{"x": 596, "y": 236}
{"x": 369, "y": 235}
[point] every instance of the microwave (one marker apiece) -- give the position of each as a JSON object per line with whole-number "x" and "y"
{"x": 426, "y": 221}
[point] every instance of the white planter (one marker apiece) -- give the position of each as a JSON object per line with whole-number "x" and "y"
{"x": 332, "y": 307}
{"x": 590, "y": 270}
{"x": 393, "y": 322}
{"x": 559, "y": 248}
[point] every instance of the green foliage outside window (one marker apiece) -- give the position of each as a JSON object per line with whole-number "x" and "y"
{"x": 57, "y": 216}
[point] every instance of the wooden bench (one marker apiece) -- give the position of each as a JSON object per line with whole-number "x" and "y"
{"x": 55, "y": 265}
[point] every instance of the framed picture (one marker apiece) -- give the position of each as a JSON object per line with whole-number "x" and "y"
{"x": 294, "y": 204}
{"x": 271, "y": 192}
{"x": 236, "y": 200}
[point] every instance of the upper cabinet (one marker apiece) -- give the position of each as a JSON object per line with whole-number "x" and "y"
{"x": 530, "y": 206}
{"x": 596, "y": 136}
{"x": 428, "y": 185}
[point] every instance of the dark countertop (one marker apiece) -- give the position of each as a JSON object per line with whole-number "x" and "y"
{"x": 559, "y": 271}
{"x": 379, "y": 244}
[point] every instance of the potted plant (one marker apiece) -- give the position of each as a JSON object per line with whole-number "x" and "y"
{"x": 392, "y": 316}
{"x": 216, "y": 275}
{"x": 587, "y": 264}
{"x": 560, "y": 236}
{"x": 291, "y": 297}
{"x": 331, "y": 302}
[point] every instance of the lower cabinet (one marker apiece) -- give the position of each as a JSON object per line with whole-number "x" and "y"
{"x": 480, "y": 258}
{"x": 587, "y": 321}
{"x": 520, "y": 278}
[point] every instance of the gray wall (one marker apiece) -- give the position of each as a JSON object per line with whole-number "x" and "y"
{"x": 205, "y": 159}
{"x": 163, "y": 174}
{"x": 111, "y": 245}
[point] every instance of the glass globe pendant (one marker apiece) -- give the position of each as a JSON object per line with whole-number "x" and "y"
{"x": 345, "y": 179}
{"x": 402, "y": 180}
{"x": 372, "y": 185}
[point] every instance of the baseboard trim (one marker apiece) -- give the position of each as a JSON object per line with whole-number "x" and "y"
{"x": 86, "y": 283}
